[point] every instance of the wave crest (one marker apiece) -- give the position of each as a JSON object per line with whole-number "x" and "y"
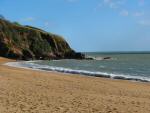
{"x": 32, "y": 65}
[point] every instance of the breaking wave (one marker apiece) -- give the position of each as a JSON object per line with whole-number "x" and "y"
{"x": 34, "y": 66}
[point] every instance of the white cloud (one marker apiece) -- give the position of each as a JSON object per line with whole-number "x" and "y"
{"x": 144, "y": 22}
{"x": 71, "y": 1}
{"x": 138, "y": 14}
{"x": 46, "y": 24}
{"x": 114, "y": 4}
{"x": 124, "y": 13}
{"x": 98, "y": 6}
{"x": 107, "y": 1}
{"x": 141, "y": 2}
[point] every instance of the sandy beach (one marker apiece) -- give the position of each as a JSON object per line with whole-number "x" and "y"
{"x": 28, "y": 91}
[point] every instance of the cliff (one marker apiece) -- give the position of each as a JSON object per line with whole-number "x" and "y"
{"x": 26, "y": 43}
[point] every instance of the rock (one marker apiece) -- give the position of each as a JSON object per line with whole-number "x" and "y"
{"x": 26, "y": 43}
{"x": 107, "y": 58}
{"x": 89, "y": 58}
{"x": 74, "y": 55}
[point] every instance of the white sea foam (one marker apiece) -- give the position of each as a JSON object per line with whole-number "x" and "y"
{"x": 32, "y": 65}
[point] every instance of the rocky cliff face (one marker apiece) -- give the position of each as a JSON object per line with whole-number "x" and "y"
{"x": 26, "y": 43}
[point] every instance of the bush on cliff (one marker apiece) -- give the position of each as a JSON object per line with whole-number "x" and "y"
{"x": 26, "y": 42}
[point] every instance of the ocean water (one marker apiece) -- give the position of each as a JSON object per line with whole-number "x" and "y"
{"x": 128, "y": 66}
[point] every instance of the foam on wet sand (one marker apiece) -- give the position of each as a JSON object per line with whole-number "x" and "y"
{"x": 26, "y": 91}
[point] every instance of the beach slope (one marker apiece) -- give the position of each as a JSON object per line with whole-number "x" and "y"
{"x": 28, "y": 91}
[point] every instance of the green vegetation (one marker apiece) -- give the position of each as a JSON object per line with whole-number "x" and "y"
{"x": 17, "y": 23}
{"x": 26, "y": 42}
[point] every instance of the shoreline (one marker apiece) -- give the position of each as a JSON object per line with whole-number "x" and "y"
{"x": 25, "y": 91}
{"x": 30, "y": 65}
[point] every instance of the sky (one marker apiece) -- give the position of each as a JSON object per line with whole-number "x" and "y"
{"x": 87, "y": 25}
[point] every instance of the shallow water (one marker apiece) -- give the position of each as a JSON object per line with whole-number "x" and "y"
{"x": 127, "y": 66}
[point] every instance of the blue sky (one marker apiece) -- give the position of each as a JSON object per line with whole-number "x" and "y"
{"x": 88, "y": 25}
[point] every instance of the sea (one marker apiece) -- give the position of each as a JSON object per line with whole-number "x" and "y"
{"x": 134, "y": 66}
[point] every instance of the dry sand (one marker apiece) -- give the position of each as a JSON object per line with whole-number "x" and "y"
{"x": 28, "y": 91}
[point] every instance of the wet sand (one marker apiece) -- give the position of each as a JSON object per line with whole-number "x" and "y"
{"x": 28, "y": 91}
